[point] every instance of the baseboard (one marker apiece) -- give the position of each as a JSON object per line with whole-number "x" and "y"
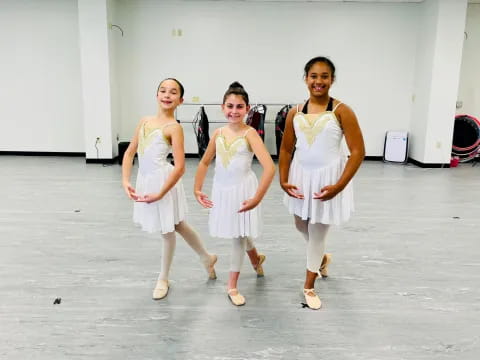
{"x": 275, "y": 157}
{"x": 102, "y": 161}
{"x": 373, "y": 158}
{"x": 427, "y": 165}
{"x": 42, "y": 153}
{"x": 189, "y": 155}
{"x": 56, "y": 153}
{"x": 411, "y": 161}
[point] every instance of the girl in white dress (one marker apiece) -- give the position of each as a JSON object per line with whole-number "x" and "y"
{"x": 236, "y": 194}
{"x": 160, "y": 203}
{"x": 317, "y": 180}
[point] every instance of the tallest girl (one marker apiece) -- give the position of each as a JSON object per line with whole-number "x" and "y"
{"x": 317, "y": 180}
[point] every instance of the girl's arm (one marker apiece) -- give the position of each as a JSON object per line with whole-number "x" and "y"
{"x": 127, "y": 162}
{"x": 202, "y": 172}
{"x": 286, "y": 151}
{"x": 175, "y": 133}
{"x": 266, "y": 161}
{"x": 354, "y": 139}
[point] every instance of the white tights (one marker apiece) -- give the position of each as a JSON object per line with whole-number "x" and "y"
{"x": 315, "y": 235}
{"x": 169, "y": 244}
{"x": 240, "y": 245}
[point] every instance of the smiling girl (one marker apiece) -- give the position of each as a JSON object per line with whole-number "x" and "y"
{"x": 160, "y": 203}
{"x": 317, "y": 180}
{"x": 236, "y": 193}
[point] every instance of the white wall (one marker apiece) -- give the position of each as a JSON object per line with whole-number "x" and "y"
{"x": 447, "y": 65}
{"x": 40, "y": 96}
{"x": 96, "y": 83}
{"x": 469, "y": 90}
{"x": 423, "y": 78}
{"x": 437, "y": 77}
{"x": 114, "y": 35}
{"x": 372, "y": 45}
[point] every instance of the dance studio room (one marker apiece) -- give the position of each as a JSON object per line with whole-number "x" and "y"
{"x": 249, "y": 179}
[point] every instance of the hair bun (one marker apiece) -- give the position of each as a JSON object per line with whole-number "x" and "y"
{"x": 235, "y": 84}
{"x": 236, "y": 88}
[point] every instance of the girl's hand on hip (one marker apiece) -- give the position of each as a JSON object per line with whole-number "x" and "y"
{"x": 203, "y": 199}
{"x": 292, "y": 190}
{"x": 327, "y": 192}
{"x": 148, "y": 198}
{"x": 130, "y": 191}
{"x": 248, "y": 205}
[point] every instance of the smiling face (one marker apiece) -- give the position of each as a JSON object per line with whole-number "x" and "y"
{"x": 169, "y": 94}
{"x": 235, "y": 108}
{"x": 319, "y": 79}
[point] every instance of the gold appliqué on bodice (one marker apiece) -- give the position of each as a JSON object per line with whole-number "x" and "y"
{"x": 227, "y": 151}
{"x": 312, "y": 128}
{"x": 146, "y": 137}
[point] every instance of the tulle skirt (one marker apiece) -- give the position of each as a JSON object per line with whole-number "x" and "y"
{"x": 225, "y": 221}
{"x": 163, "y": 215}
{"x": 310, "y": 181}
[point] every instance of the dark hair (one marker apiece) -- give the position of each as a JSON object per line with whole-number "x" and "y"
{"x": 236, "y": 88}
{"x": 182, "y": 90}
{"x": 323, "y": 59}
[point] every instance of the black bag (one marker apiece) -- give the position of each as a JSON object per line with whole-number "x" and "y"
{"x": 200, "y": 127}
{"x": 280, "y": 121}
{"x": 256, "y": 119}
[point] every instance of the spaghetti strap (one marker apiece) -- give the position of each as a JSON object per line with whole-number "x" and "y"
{"x": 245, "y": 134}
{"x": 335, "y": 108}
{"x": 305, "y": 107}
{"x": 168, "y": 124}
{"x": 297, "y": 107}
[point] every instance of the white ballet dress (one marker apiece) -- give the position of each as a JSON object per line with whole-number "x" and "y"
{"x": 153, "y": 170}
{"x": 319, "y": 160}
{"x": 233, "y": 183}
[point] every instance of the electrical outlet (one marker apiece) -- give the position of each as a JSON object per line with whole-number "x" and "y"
{"x": 438, "y": 144}
{"x": 98, "y": 140}
{"x": 195, "y": 99}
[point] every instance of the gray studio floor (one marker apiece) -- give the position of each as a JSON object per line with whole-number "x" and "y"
{"x": 404, "y": 280}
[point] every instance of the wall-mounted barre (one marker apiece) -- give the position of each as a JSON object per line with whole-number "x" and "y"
{"x": 270, "y": 120}
{"x": 217, "y": 121}
{"x": 252, "y": 103}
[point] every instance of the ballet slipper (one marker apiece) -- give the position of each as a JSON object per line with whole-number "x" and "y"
{"x": 161, "y": 289}
{"x": 312, "y": 299}
{"x": 327, "y": 259}
{"x": 259, "y": 267}
{"x": 212, "y": 275}
{"x": 235, "y": 297}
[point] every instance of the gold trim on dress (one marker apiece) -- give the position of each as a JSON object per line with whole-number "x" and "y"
{"x": 311, "y": 128}
{"x": 145, "y": 137}
{"x": 227, "y": 151}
